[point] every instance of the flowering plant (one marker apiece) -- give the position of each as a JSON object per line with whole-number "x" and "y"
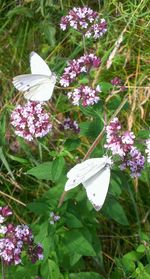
{"x": 30, "y": 121}
{"x": 91, "y": 131}
{"x": 86, "y": 21}
{"x": 16, "y": 239}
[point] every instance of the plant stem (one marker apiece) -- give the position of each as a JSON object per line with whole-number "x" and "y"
{"x": 3, "y": 272}
{"x": 62, "y": 199}
{"x": 84, "y": 45}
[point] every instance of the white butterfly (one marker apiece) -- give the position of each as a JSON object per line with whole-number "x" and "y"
{"x": 39, "y": 85}
{"x": 94, "y": 174}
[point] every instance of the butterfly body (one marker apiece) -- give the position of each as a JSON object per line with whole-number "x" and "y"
{"x": 39, "y": 85}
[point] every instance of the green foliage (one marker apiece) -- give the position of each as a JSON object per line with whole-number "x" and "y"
{"x": 42, "y": 171}
{"x": 85, "y": 275}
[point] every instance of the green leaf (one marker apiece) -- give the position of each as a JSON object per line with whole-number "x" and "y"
{"x": 105, "y": 86}
{"x": 141, "y": 248}
{"x": 132, "y": 256}
{"x": 85, "y": 275}
{"x": 17, "y": 159}
{"x": 26, "y": 271}
{"x": 117, "y": 274}
{"x": 90, "y": 129}
{"x": 74, "y": 258}
{"x": 42, "y": 171}
{"x": 83, "y": 80}
{"x": 50, "y": 270}
{"x": 21, "y": 11}
{"x": 75, "y": 242}
{"x": 94, "y": 111}
{"x": 39, "y": 207}
{"x": 114, "y": 103}
{"x": 49, "y": 32}
{"x": 144, "y": 134}
{"x": 147, "y": 268}
{"x": 114, "y": 210}
{"x": 53, "y": 195}
{"x": 72, "y": 221}
{"x": 141, "y": 272}
{"x": 128, "y": 265}
{"x": 115, "y": 188}
{"x": 47, "y": 244}
{"x": 57, "y": 168}
{"x": 41, "y": 232}
{"x": 72, "y": 144}
{"x": 4, "y": 161}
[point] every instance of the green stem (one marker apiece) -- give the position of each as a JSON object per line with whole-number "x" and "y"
{"x": 135, "y": 209}
{"x": 3, "y": 272}
{"x": 84, "y": 45}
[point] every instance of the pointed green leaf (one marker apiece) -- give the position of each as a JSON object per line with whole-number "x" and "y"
{"x": 42, "y": 171}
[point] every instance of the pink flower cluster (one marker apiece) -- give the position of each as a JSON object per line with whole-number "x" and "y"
{"x": 86, "y": 21}
{"x": 76, "y": 67}
{"x": 84, "y": 94}
{"x": 14, "y": 241}
{"x": 122, "y": 144}
{"x": 70, "y": 124}
{"x": 30, "y": 121}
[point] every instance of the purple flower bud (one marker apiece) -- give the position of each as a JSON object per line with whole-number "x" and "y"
{"x": 116, "y": 81}
{"x": 70, "y": 124}
{"x": 10, "y": 228}
{"x": 6, "y": 211}
{"x": 54, "y": 218}
{"x": 123, "y": 88}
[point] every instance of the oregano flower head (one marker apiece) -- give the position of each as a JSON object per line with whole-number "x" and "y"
{"x": 86, "y": 21}
{"x": 31, "y": 121}
{"x": 121, "y": 143}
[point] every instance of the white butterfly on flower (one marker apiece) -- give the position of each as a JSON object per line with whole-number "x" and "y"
{"x": 94, "y": 174}
{"x": 39, "y": 85}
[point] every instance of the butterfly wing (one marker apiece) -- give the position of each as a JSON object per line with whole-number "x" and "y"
{"x": 24, "y": 82}
{"x": 83, "y": 171}
{"x": 40, "y": 92}
{"x": 38, "y": 65}
{"x": 39, "y": 85}
{"x": 97, "y": 187}
{"x": 35, "y": 87}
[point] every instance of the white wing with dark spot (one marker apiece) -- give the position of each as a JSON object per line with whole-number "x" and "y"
{"x": 97, "y": 187}
{"x": 83, "y": 171}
